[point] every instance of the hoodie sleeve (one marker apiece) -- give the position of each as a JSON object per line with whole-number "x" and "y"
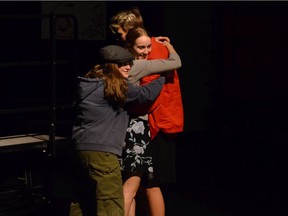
{"x": 145, "y": 93}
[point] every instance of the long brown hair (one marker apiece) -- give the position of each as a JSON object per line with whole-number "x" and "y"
{"x": 115, "y": 84}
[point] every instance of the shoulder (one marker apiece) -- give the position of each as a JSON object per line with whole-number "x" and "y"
{"x": 158, "y": 50}
{"x": 84, "y": 79}
{"x": 156, "y": 44}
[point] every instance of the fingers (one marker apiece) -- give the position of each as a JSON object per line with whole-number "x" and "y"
{"x": 161, "y": 39}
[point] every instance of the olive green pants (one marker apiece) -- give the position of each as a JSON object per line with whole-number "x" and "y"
{"x": 99, "y": 189}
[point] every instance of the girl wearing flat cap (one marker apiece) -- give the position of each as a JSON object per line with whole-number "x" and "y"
{"x": 99, "y": 130}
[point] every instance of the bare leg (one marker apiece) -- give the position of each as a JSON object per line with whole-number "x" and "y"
{"x": 132, "y": 210}
{"x": 155, "y": 201}
{"x": 130, "y": 188}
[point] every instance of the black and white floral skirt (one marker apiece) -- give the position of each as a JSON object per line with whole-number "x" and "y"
{"x": 137, "y": 152}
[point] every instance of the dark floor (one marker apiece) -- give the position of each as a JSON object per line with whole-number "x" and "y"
{"x": 217, "y": 176}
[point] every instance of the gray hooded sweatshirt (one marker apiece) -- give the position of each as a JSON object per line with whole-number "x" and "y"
{"x": 100, "y": 125}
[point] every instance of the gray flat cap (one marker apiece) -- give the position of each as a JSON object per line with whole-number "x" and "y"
{"x": 115, "y": 54}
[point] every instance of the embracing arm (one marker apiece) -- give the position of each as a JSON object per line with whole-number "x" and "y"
{"x": 142, "y": 68}
{"x": 144, "y": 93}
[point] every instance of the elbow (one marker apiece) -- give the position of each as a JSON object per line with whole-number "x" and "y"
{"x": 179, "y": 64}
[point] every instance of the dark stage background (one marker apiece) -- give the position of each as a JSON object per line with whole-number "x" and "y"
{"x": 232, "y": 155}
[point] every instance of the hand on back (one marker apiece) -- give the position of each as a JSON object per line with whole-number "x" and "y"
{"x": 162, "y": 39}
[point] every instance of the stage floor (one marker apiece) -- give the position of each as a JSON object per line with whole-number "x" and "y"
{"x": 215, "y": 177}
